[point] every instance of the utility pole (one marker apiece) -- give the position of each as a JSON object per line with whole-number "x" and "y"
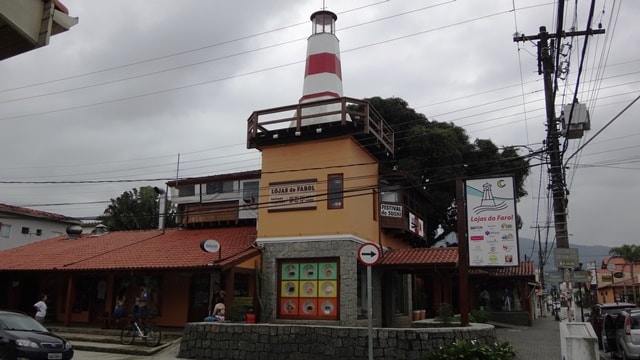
{"x": 546, "y": 68}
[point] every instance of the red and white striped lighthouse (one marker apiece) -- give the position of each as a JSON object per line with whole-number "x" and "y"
{"x": 323, "y": 75}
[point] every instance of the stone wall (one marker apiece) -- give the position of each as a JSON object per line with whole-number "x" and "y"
{"x": 275, "y": 341}
{"x": 346, "y": 250}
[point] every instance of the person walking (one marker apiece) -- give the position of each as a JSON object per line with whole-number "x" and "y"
{"x": 118, "y": 310}
{"x": 143, "y": 303}
{"x": 506, "y": 300}
{"x": 41, "y": 308}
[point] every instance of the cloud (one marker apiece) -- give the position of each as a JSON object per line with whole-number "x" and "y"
{"x": 135, "y": 86}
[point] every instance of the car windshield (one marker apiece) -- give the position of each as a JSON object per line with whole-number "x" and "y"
{"x": 20, "y": 322}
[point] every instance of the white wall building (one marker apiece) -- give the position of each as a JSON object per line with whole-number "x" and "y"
{"x": 21, "y": 226}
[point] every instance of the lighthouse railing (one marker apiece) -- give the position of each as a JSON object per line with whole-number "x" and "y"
{"x": 358, "y": 116}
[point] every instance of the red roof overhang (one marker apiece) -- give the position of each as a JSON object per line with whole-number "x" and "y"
{"x": 421, "y": 258}
{"x": 141, "y": 249}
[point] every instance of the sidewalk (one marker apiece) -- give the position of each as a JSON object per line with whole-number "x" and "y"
{"x": 539, "y": 341}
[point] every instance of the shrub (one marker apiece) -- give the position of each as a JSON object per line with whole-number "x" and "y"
{"x": 465, "y": 349}
{"x": 479, "y": 316}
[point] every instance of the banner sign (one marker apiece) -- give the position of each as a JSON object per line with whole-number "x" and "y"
{"x": 391, "y": 210}
{"x": 491, "y": 222}
{"x": 294, "y": 195}
{"x": 416, "y": 225}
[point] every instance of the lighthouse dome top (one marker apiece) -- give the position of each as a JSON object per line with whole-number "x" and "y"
{"x": 324, "y": 22}
{"x": 324, "y": 13}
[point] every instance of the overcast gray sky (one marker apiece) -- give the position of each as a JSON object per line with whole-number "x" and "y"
{"x": 138, "y": 85}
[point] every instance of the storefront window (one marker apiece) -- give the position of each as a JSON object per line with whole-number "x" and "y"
{"x": 130, "y": 287}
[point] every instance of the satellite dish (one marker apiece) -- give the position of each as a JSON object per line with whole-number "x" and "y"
{"x": 210, "y": 246}
{"x": 611, "y": 267}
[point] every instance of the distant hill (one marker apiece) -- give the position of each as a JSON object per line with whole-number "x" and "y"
{"x": 587, "y": 253}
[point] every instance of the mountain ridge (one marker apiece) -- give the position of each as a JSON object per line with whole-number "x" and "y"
{"x": 530, "y": 249}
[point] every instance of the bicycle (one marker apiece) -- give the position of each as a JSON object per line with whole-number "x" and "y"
{"x": 150, "y": 333}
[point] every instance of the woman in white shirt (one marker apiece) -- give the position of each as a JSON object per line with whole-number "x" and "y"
{"x": 41, "y": 308}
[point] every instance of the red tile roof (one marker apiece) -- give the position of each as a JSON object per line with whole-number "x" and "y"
{"x": 418, "y": 257}
{"x": 620, "y": 263}
{"x": 525, "y": 269}
{"x": 4, "y": 208}
{"x": 61, "y": 7}
{"x": 141, "y": 249}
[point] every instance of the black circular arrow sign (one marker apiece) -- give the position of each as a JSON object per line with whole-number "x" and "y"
{"x": 369, "y": 254}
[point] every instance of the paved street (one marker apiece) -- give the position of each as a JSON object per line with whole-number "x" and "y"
{"x": 538, "y": 342}
{"x": 170, "y": 352}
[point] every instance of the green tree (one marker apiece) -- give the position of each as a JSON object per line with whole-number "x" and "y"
{"x": 436, "y": 154}
{"x": 631, "y": 256}
{"x": 137, "y": 209}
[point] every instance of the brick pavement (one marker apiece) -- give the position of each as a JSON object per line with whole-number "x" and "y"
{"x": 539, "y": 341}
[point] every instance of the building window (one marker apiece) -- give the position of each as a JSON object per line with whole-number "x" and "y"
{"x": 39, "y": 232}
{"x": 389, "y": 196}
{"x": 335, "y": 191}
{"x": 186, "y": 190}
{"x": 5, "y": 231}
{"x": 250, "y": 192}
{"x": 219, "y": 187}
{"x": 308, "y": 289}
{"x": 25, "y": 230}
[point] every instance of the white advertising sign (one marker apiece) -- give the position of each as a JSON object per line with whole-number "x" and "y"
{"x": 491, "y": 222}
{"x": 391, "y": 210}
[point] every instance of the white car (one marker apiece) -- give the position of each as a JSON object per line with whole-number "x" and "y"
{"x": 628, "y": 334}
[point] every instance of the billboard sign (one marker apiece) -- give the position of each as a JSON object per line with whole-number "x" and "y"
{"x": 491, "y": 222}
{"x": 566, "y": 258}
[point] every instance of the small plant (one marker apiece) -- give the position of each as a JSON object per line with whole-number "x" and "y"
{"x": 479, "y": 316}
{"x": 465, "y": 349}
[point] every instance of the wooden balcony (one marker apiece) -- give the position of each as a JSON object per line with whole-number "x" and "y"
{"x": 402, "y": 221}
{"x": 323, "y": 119}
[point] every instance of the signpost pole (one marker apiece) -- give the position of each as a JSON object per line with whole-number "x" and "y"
{"x": 463, "y": 255}
{"x": 370, "y": 311}
{"x": 369, "y": 254}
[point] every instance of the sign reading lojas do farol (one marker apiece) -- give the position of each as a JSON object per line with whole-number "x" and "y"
{"x": 491, "y": 222}
{"x": 293, "y": 195}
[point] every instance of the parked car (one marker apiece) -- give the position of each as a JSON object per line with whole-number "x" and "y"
{"x": 599, "y": 313}
{"x": 21, "y": 336}
{"x": 626, "y": 344}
